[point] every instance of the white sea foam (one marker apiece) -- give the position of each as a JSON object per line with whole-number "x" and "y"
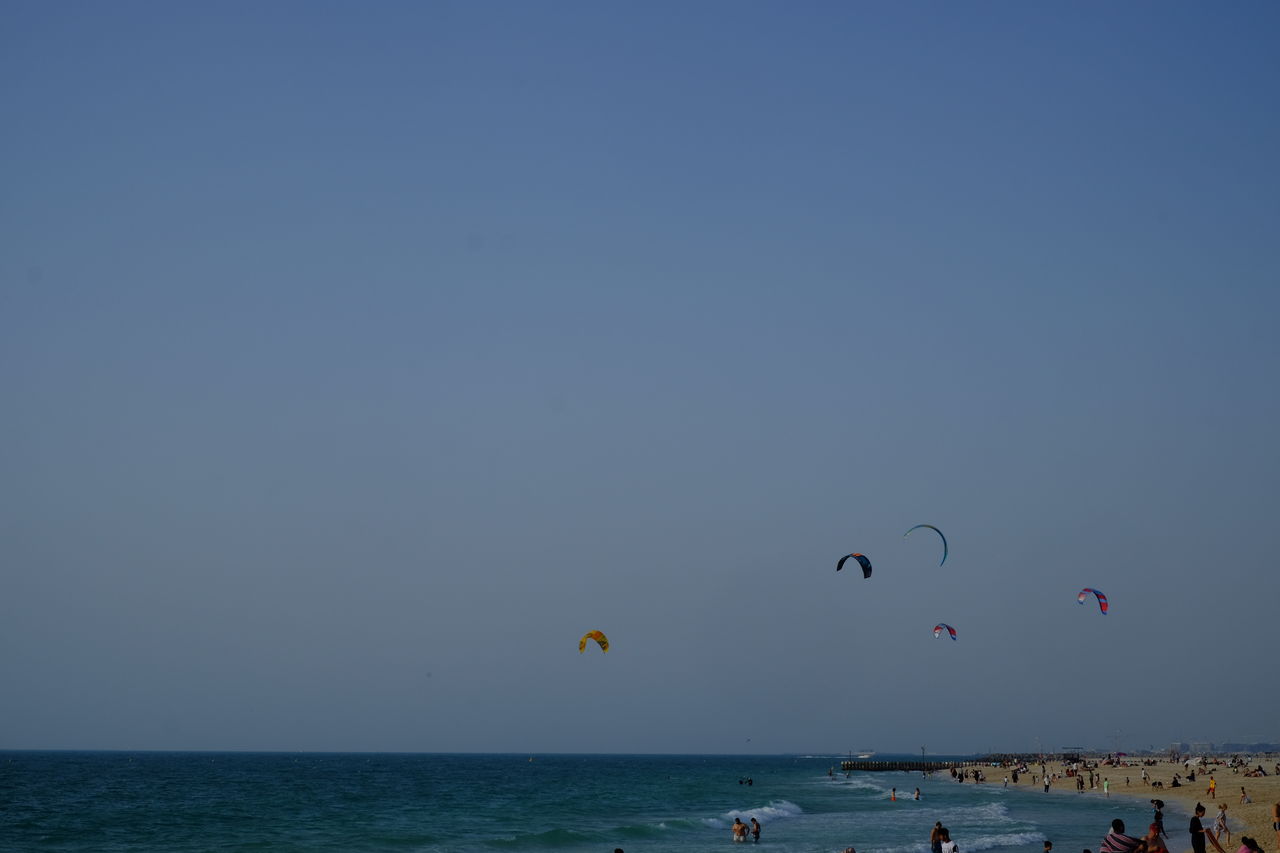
{"x": 776, "y": 810}
{"x": 993, "y": 812}
{"x": 1012, "y": 839}
{"x": 987, "y": 811}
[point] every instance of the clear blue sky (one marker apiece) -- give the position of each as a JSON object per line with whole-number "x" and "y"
{"x": 357, "y": 358}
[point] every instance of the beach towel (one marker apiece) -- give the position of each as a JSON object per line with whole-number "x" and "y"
{"x": 1118, "y": 842}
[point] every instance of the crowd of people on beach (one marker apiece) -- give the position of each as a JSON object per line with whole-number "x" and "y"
{"x": 1117, "y": 841}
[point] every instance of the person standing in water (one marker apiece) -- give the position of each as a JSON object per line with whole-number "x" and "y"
{"x": 755, "y": 829}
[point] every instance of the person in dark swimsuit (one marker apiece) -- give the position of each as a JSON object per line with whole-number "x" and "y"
{"x": 1199, "y": 834}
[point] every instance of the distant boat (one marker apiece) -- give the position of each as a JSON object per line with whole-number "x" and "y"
{"x": 866, "y": 753}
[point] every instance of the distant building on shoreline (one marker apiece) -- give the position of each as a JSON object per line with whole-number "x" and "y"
{"x": 1205, "y": 748}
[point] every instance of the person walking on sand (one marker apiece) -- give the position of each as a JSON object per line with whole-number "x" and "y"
{"x": 1275, "y": 822}
{"x": 1213, "y": 788}
{"x": 1220, "y": 827}
{"x": 755, "y": 829}
{"x": 1106, "y": 787}
{"x": 1244, "y": 798}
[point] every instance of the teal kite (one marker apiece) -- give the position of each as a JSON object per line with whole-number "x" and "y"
{"x": 935, "y": 530}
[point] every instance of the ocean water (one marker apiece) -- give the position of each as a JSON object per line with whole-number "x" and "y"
{"x": 150, "y": 802}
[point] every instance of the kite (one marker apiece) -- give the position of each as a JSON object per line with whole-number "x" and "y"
{"x": 598, "y": 636}
{"x": 1086, "y": 592}
{"x": 862, "y": 561}
{"x": 937, "y": 630}
{"x": 935, "y": 530}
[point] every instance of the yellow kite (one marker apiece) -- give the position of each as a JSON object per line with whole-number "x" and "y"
{"x": 598, "y": 636}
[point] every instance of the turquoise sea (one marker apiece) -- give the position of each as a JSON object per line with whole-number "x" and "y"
{"x": 150, "y": 802}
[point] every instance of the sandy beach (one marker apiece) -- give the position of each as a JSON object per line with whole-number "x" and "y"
{"x": 1253, "y": 819}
